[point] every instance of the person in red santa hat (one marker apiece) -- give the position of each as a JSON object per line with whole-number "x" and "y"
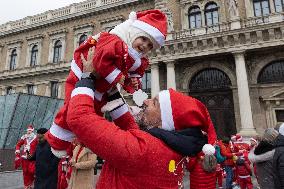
{"x": 134, "y": 158}
{"x": 29, "y": 143}
{"x": 119, "y": 57}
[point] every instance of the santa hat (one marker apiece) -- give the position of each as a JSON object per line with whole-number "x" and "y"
{"x": 153, "y": 22}
{"x": 253, "y": 139}
{"x": 150, "y": 23}
{"x": 179, "y": 111}
{"x": 237, "y": 138}
{"x": 30, "y": 128}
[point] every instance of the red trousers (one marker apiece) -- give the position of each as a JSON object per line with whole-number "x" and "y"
{"x": 28, "y": 172}
{"x": 219, "y": 175}
{"x": 245, "y": 183}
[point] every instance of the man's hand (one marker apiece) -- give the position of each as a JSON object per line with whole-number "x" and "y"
{"x": 88, "y": 64}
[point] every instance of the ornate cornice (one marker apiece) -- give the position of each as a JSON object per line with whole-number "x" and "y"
{"x": 71, "y": 12}
{"x": 38, "y": 36}
{"x": 183, "y": 45}
{"x": 57, "y": 32}
{"x": 49, "y": 68}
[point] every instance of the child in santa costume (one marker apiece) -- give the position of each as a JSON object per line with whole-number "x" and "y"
{"x": 29, "y": 142}
{"x": 244, "y": 173}
{"x": 119, "y": 56}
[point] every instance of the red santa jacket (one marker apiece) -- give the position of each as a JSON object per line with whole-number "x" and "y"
{"x": 112, "y": 59}
{"x": 226, "y": 150}
{"x": 243, "y": 171}
{"x": 28, "y": 143}
{"x": 134, "y": 158}
{"x": 198, "y": 177}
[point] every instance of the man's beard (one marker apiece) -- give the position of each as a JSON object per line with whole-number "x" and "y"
{"x": 143, "y": 124}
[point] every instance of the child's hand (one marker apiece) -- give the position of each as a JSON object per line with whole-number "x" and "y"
{"x": 88, "y": 64}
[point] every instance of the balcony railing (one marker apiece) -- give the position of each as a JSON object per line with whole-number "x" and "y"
{"x": 58, "y": 13}
{"x": 228, "y": 26}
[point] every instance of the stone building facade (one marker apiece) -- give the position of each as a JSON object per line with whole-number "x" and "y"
{"x": 227, "y": 53}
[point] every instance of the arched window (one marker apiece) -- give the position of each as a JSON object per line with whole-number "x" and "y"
{"x": 261, "y": 7}
{"x": 82, "y": 38}
{"x": 210, "y": 79}
{"x": 279, "y": 5}
{"x": 13, "y": 59}
{"x": 211, "y": 14}
{"x": 194, "y": 17}
{"x": 34, "y": 54}
{"x": 272, "y": 73}
{"x": 57, "y": 51}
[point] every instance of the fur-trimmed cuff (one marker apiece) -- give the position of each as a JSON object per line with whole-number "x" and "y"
{"x": 118, "y": 112}
{"x": 112, "y": 105}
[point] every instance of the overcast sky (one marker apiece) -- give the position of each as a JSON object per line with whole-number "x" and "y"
{"x": 11, "y": 10}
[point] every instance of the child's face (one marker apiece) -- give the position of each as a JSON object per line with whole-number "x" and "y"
{"x": 142, "y": 45}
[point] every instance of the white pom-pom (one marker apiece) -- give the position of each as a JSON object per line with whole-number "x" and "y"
{"x": 132, "y": 16}
{"x": 139, "y": 97}
{"x": 208, "y": 149}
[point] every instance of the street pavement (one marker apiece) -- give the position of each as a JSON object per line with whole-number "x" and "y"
{"x": 14, "y": 180}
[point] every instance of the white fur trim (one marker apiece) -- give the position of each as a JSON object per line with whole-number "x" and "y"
{"x": 61, "y": 133}
{"x": 132, "y": 16}
{"x": 119, "y": 112}
{"x": 84, "y": 91}
{"x": 154, "y": 32}
{"x": 59, "y": 153}
{"x": 134, "y": 75}
{"x": 134, "y": 54}
{"x": 113, "y": 75}
{"x": 98, "y": 95}
{"x": 76, "y": 70}
{"x": 166, "y": 110}
{"x": 96, "y": 37}
{"x": 136, "y": 65}
{"x": 208, "y": 149}
{"x": 112, "y": 105}
{"x": 281, "y": 129}
{"x": 17, "y": 151}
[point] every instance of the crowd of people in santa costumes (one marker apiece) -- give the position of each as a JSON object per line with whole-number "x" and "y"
{"x": 147, "y": 148}
{"x": 27, "y": 143}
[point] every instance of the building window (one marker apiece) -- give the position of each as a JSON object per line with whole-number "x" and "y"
{"x": 211, "y": 14}
{"x": 279, "y": 115}
{"x": 82, "y": 38}
{"x": 9, "y": 90}
{"x": 194, "y": 17}
{"x": 34, "y": 55}
{"x": 57, "y": 51}
{"x": 13, "y": 59}
{"x": 30, "y": 89}
{"x": 146, "y": 82}
{"x": 261, "y": 7}
{"x": 54, "y": 89}
{"x": 279, "y": 4}
{"x": 272, "y": 73}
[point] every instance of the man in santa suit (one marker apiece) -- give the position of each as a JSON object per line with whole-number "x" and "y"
{"x": 29, "y": 143}
{"x": 134, "y": 158}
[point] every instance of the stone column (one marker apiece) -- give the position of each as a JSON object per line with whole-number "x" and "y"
{"x": 171, "y": 78}
{"x": 272, "y": 6}
{"x": 155, "y": 82}
{"x": 247, "y": 128}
